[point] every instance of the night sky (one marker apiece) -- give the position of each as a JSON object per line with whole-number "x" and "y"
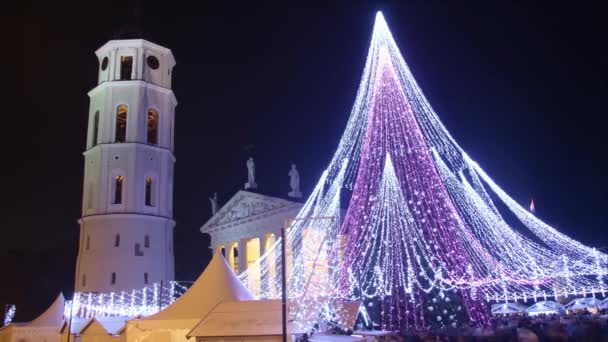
{"x": 521, "y": 87}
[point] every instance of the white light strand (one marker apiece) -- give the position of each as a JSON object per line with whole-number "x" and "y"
{"x": 9, "y": 315}
{"x": 138, "y": 302}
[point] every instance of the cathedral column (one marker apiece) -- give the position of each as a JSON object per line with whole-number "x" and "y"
{"x": 263, "y": 240}
{"x": 230, "y": 256}
{"x": 264, "y": 264}
{"x": 242, "y": 255}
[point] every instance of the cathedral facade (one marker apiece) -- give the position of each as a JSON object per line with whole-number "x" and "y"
{"x": 246, "y": 227}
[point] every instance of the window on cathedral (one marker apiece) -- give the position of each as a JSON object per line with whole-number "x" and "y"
{"x": 118, "y": 189}
{"x": 152, "y": 137}
{"x": 95, "y": 128}
{"x": 223, "y": 252}
{"x": 126, "y": 67}
{"x": 84, "y": 280}
{"x": 117, "y": 240}
{"x": 113, "y": 279}
{"x": 148, "y": 191}
{"x": 145, "y": 277}
{"x": 88, "y": 242}
{"x": 138, "y": 251}
{"x": 147, "y": 241}
{"x": 121, "y": 124}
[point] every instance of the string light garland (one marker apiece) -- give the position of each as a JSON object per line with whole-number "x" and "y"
{"x": 138, "y": 302}
{"x": 9, "y": 314}
{"x": 421, "y": 240}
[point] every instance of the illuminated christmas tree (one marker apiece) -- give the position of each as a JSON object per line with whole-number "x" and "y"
{"x": 422, "y": 241}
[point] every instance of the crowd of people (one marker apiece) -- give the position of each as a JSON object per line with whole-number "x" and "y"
{"x": 582, "y": 326}
{"x": 573, "y": 327}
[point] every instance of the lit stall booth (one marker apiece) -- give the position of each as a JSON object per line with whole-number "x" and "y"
{"x": 508, "y": 309}
{"x": 589, "y": 304}
{"x": 545, "y": 308}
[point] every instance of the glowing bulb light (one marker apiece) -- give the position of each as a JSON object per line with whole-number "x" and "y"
{"x": 9, "y": 315}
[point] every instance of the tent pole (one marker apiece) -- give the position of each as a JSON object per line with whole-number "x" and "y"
{"x": 160, "y": 296}
{"x": 71, "y": 314}
{"x": 283, "y": 287}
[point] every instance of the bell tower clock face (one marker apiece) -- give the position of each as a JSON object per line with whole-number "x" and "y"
{"x": 152, "y": 62}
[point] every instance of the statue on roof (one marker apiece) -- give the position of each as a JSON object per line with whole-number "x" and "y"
{"x": 294, "y": 182}
{"x": 251, "y": 184}
{"x": 214, "y": 204}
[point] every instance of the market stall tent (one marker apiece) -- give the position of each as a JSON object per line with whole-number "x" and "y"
{"x": 94, "y": 331}
{"x": 103, "y": 329}
{"x": 70, "y": 328}
{"x": 257, "y": 320}
{"x": 545, "y": 307}
{"x": 216, "y": 284}
{"x": 585, "y": 303}
{"x": 44, "y": 328}
{"x": 507, "y": 309}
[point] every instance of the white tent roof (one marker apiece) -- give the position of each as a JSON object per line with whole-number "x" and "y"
{"x": 545, "y": 306}
{"x": 76, "y": 324}
{"x": 507, "y": 308}
{"x": 582, "y": 303}
{"x": 245, "y": 318}
{"x": 111, "y": 325}
{"x": 92, "y": 326}
{"x": 51, "y": 317}
{"x": 217, "y": 283}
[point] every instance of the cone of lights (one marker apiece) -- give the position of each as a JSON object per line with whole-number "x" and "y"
{"x": 405, "y": 221}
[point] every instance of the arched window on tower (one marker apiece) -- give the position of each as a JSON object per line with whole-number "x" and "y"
{"x": 138, "y": 251}
{"x": 84, "y": 280}
{"x": 121, "y": 123}
{"x": 126, "y": 67}
{"x": 118, "y": 189}
{"x": 152, "y": 137}
{"x": 117, "y": 240}
{"x": 95, "y": 128}
{"x": 145, "y": 277}
{"x": 113, "y": 279}
{"x": 88, "y": 242}
{"x": 147, "y": 241}
{"x": 148, "y": 191}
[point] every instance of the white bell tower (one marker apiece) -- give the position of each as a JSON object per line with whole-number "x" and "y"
{"x": 126, "y": 229}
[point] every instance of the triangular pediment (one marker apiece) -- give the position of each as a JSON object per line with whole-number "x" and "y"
{"x": 244, "y": 205}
